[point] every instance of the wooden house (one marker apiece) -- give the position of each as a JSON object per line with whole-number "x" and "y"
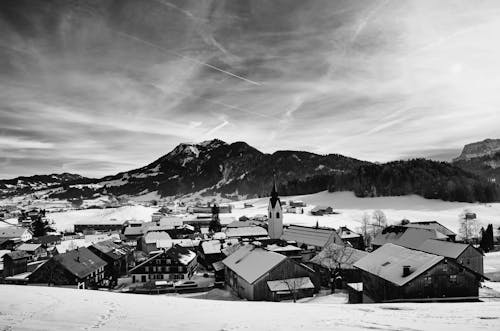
{"x": 12, "y": 232}
{"x": 15, "y": 263}
{"x": 148, "y": 242}
{"x": 79, "y": 267}
{"x": 394, "y": 273}
{"x": 351, "y": 238}
{"x": 174, "y": 263}
{"x": 117, "y": 258}
{"x": 34, "y": 251}
{"x": 314, "y": 238}
{"x": 100, "y": 226}
{"x": 408, "y": 237}
{"x": 246, "y": 232}
{"x": 210, "y": 251}
{"x": 465, "y": 254}
{"x": 254, "y": 273}
{"x": 433, "y": 225}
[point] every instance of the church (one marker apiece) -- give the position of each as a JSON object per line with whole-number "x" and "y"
{"x": 275, "y": 214}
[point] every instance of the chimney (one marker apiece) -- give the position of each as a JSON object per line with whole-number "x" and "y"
{"x": 406, "y": 270}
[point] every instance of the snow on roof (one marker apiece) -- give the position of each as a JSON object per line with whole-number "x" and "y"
{"x": 95, "y": 238}
{"x": 346, "y": 233}
{"x": 28, "y": 247}
{"x": 310, "y": 235}
{"x": 238, "y": 224}
{"x": 154, "y": 237}
{"x": 230, "y": 249}
{"x": 80, "y": 262}
{"x": 388, "y": 261}
{"x": 216, "y": 246}
{"x": 181, "y": 242}
{"x": 219, "y": 235}
{"x": 443, "y": 248}
{"x": 3, "y": 252}
{"x": 287, "y": 248}
{"x": 218, "y": 266}
{"x": 251, "y": 262}
{"x": 432, "y": 225}
{"x": 406, "y": 236}
{"x": 68, "y": 245}
{"x": 299, "y": 283}
{"x": 12, "y": 232}
{"x": 356, "y": 286}
{"x": 332, "y": 254}
{"x": 248, "y": 231}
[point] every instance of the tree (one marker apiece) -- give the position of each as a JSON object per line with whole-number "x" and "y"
{"x": 380, "y": 220}
{"x": 366, "y": 230}
{"x": 294, "y": 285}
{"x": 336, "y": 257}
{"x": 215, "y": 225}
{"x": 40, "y": 227}
{"x": 487, "y": 238}
{"x": 469, "y": 226}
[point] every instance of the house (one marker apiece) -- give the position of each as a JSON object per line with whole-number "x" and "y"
{"x": 290, "y": 251}
{"x": 314, "y": 238}
{"x": 15, "y": 263}
{"x": 465, "y": 254}
{"x": 11, "y": 232}
{"x": 254, "y": 273}
{"x": 79, "y": 267}
{"x": 336, "y": 260}
{"x": 408, "y": 237}
{"x": 297, "y": 203}
{"x": 351, "y": 238}
{"x": 321, "y": 210}
{"x": 433, "y": 225}
{"x": 173, "y": 263}
{"x": 394, "y": 273}
{"x": 9, "y": 244}
{"x": 249, "y": 232}
{"x": 35, "y": 251}
{"x": 117, "y": 258}
{"x": 47, "y": 241}
{"x": 211, "y": 250}
{"x": 148, "y": 242}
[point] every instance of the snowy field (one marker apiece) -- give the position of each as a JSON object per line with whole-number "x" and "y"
{"x": 492, "y": 266}
{"x": 349, "y": 207}
{"x": 42, "y": 308}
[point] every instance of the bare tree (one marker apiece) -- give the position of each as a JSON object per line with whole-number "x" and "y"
{"x": 380, "y": 220}
{"x": 336, "y": 258}
{"x": 366, "y": 230}
{"x": 294, "y": 285}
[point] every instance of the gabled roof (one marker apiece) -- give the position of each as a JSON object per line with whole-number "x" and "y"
{"x": 320, "y": 208}
{"x": 251, "y": 262}
{"x": 16, "y": 255}
{"x": 346, "y": 233}
{"x": 310, "y": 235}
{"x": 332, "y": 254}
{"x": 299, "y": 283}
{"x": 28, "y": 247}
{"x": 183, "y": 255}
{"x": 216, "y": 246}
{"x": 80, "y": 262}
{"x": 444, "y": 248}
{"x": 406, "y": 236}
{"x": 48, "y": 239}
{"x": 112, "y": 249}
{"x": 247, "y": 231}
{"x": 432, "y": 225}
{"x": 12, "y": 232}
{"x": 230, "y": 249}
{"x": 388, "y": 261}
{"x": 153, "y": 237}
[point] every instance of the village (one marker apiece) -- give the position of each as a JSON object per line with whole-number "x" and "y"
{"x": 199, "y": 252}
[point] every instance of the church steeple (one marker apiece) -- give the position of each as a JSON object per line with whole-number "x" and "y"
{"x": 275, "y": 223}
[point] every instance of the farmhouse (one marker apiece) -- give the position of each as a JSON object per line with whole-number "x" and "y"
{"x": 15, "y": 263}
{"x": 116, "y": 256}
{"x": 249, "y": 232}
{"x": 310, "y": 237}
{"x": 34, "y": 251}
{"x": 321, "y": 210}
{"x": 405, "y": 236}
{"x": 78, "y": 267}
{"x": 394, "y": 273}
{"x": 173, "y": 263}
{"x": 351, "y": 238}
{"x": 464, "y": 254}
{"x": 433, "y": 225}
{"x": 12, "y": 232}
{"x": 254, "y": 273}
{"x": 148, "y": 242}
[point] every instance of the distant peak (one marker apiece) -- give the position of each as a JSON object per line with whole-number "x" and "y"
{"x": 479, "y": 149}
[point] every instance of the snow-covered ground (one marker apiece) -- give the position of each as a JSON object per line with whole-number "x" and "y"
{"x": 492, "y": 266}
{"x": 47, "y": 308}
{"x": 349, "y": 207}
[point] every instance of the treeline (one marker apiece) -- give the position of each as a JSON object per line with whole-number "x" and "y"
{"x": 429, "y": 179}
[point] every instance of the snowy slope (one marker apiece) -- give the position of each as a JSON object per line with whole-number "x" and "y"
{"x": 43, "y": 308}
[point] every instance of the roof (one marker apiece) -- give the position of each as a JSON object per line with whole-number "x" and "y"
{"x": 356, "y": 286}
{"x": 388, "y": 261}
{"x": 443, "y": 248}
{"x": 299, "y": 283}
{"x": 432, "y": 225}
{"x": 12, "y": 232}
{"x": 183, "y": 255}
{"x": 310, "y": 235}
{"x": 406, "y": 236}
{"x": 230, "y": 249}
{"x": 48, "y": 239}
{"x": 216, "y": 246}
{"x": 28, "y": 247}
{"x": 238, "y": 224}
{"x": 247, "y": 231}
{"x": 68, "y": 245}
{"x": 167, "y": 243}
{"x": 332, "y": 254}
{"x": 112, "y": 249}
{"x": 153, "y": 237}
{"x": 218, "y": 266}
{"x": 251, "y": 262}
{"x": 287, "y": 248}
{"x": 320, "y": 208}
{"x": 346, "y": 233}
{"x": 80, "y": 262}
{"x": 16, "y": 255}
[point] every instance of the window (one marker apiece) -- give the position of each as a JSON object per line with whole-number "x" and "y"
{"x": 270, "y": 215}
{"x": 453, "y": 278}
{"x": 445, "y": 268}
{"x": 427, "y": 280}
{"x": 278, "y": 215}
{"x": 169, "y": 261}
{"x": 146, "y": 268}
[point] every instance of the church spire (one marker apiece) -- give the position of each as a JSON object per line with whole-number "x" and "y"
{"x": 274, "y": 192}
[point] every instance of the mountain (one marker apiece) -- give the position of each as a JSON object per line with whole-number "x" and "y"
{"x": 482, "y": 158}
{"x": 238, "y": 170}
{"x": 24, "y": 185}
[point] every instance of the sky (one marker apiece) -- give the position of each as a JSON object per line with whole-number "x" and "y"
{"x": 101, "y": 86}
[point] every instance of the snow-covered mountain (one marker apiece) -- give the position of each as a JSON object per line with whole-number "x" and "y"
{"x": 487, "y": 147}
{"x": 23, "y": 185}
{"x": 482, "y": 158}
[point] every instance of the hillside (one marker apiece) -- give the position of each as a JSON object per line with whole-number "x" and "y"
{"x": 30, "y": 184}
{"x": 48, "y": 308}
{"x": 239, "y": 171}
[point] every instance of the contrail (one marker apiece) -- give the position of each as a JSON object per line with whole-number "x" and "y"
{"x": 123, "y": 34}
